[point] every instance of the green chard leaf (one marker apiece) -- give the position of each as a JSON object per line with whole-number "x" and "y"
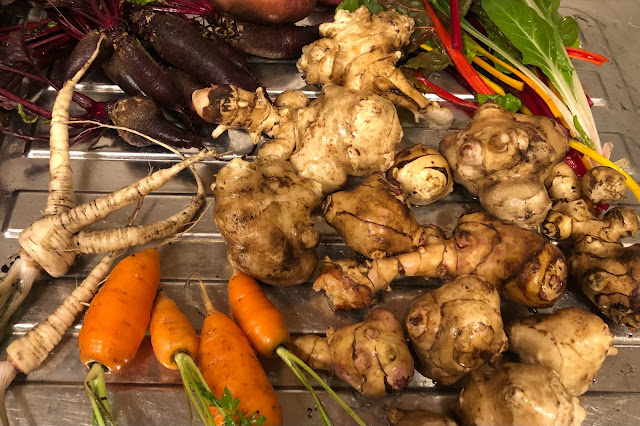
{"x": 568, "y": 29}
{"x": 566, "y": 26}
{"x": 533, "y": 36}
{"x": 508, "y": 101}
{"x": 427, "y": 62}
{"x": 353, "y": 5}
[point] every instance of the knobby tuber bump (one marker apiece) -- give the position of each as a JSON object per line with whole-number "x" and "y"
{"x": 608, "y": 272}
{"x": 504, "y": 158}
{"x": 518, "y": 394}
{"x": 373, "y": 219}
{"x": 371, "y": 356}
{"x": 263, "y": 211}
{"x": 529, "y": 269}
{"x": 341, "y": 133}
{"x": 457, "y": 328}
{"x": 603, "y": 185}
{"x": 359, "y": 51}
{"x": 400, "y": 417}
{"x": 572, "y": 342}
{"x": 422, "y": 173}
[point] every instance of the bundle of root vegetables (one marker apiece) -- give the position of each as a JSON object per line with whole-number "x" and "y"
{"x": 182, "y": 59}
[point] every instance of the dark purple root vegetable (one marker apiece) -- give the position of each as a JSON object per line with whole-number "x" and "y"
{"x": 185, "y": 48}
{"x": 268, "y": 42}
{"x": 136, "y": 65}
{"x": 117, "y": 72}
{"x": 83, "y": 51}
{"x": 145, "y": 116}
{"x": 270, "y": 12}
{"x": 184, "y": 83}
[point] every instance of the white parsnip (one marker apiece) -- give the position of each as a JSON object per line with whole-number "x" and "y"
{"x": 52, "y": 241}
{"x": 27, "y": 353}
{"x": 61, "y": 197}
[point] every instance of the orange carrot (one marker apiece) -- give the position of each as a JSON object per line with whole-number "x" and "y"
{"x": 256, "y": 315}
{"x": 118, "y": 316}
{"x": 171, "y": 332}
{"x": 116, "y": 322}
{"x": 265, "y": 328}
{"x": 228, "y": 361}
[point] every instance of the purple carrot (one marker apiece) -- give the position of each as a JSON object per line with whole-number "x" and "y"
{"x": 268, "y": 42}
{"x": 182, "y": 46}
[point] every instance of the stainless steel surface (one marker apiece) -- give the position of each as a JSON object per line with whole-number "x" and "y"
{"x": 147, "y": 393}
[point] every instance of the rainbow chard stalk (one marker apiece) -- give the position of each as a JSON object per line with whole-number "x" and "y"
{"x": 529, "y": 26}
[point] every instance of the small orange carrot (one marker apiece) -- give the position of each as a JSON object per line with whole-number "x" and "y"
{"x": 116, "y": 322}
{"x": 256, "y": 315}
{"x": 229, "y": 363}
{"x": 265, "y": 328}
{"x": 171, "y": 332}
{"x": 118, "y": 316}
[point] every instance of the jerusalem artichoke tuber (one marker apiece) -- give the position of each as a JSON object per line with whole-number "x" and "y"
{"x": 374, "y": 219}
{"x": 518, "y": 394}
{"x": 422, "y": 173}
{"x": 371, "y": 356}
{"x": 263, "y": 211}
{"x": 457, "y": 328}
{"x": 504, "y": 158}
{"x": 572, "y": 342}
{"x": 608, "y": 272}
{"x": 359, "y": 51}
{"x": 529, "y": 269}
{"x": 341, "y": 133}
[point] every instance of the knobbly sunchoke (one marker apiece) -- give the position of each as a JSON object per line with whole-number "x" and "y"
{"x": 374, "y": 219}
{"x": 518, "y": 394}
{"x": 341, "y": 133}
{"x": 608, "y": 272}
{"x": 422, "y": 173}
{"x": 603, "y": 185}
{"x": 359, "y": 51}
{"x": 263, "y": 211}
{"x": 572, "y": 342}
{"x": 529, "y": 269}
{"x": 504, "y": 158}
{"x": 371, "y": 356}
{"x": 400, "y": 417}
{"x": 457, "y": 328}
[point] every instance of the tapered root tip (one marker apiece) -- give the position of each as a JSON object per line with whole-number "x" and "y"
{"x": 7, "y": 374}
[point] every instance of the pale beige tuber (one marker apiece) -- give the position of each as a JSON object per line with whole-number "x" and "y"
{"x": 341, "y": 133}
{"x": 608, "y": 272}
{"x": 457, "y": 328}
{"x": 373, "y": 219}
{"x": 422, "y": 173}
{"x": 523, "y": 264}
{"x": 518, "y": 394}
{"x": 372, "y": 356}
{"x": 359, "y": 51}
{"x": 603, "y": 185}
{"x": 263, "y": 211}
{"x": 503, "y": 159}
{"x": 572, "y": 342}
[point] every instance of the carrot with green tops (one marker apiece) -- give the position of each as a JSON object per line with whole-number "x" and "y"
{"x": 116, "y": 323}
{"x": 265, "y": 328}
{"x": 229, "y": 365}
{"x": 175, "y": 344}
